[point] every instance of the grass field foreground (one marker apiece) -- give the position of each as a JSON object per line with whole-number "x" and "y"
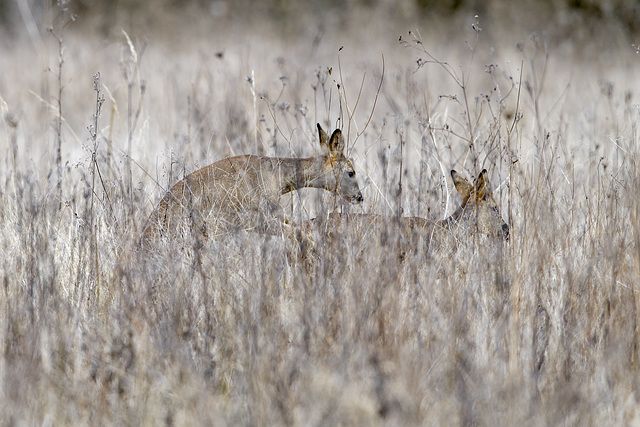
{"x": 239, "y": 330}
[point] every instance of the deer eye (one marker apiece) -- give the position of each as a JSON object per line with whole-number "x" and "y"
{"x": 351, "y": 174}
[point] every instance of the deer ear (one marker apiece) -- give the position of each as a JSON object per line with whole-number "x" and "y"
{"x": 482, "y": 184}
{"x": 462, "y": 185}
{"x": 324, "y": 138}
{"x": 336, "y": 144}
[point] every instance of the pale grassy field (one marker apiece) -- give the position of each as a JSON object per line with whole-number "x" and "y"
{"x": 238, "y": 331}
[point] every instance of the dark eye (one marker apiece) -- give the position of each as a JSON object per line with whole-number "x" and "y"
{"x": 351, "y": 174}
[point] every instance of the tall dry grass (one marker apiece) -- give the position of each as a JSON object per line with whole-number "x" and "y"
{"x": 542, "y": 330}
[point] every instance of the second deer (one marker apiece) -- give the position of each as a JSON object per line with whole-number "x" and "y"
{"x": 478, "y": 213}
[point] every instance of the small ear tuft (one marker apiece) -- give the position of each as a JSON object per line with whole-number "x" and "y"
{"x": 336, "y": 144}
{"x": 462, "y": 185}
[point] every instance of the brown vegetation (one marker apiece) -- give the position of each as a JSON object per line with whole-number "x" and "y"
{"x": 542, "y": 330}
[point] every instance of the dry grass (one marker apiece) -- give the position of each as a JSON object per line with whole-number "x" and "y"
{"x": 237, "y": 331}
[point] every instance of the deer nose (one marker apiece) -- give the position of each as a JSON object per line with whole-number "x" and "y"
{"x": 359, "y": 198}
{"x": 505, "y": 232}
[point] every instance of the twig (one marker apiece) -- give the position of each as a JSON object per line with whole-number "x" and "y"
{"x": 93, "y": 131}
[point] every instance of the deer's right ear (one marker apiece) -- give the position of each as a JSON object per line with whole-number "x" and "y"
{"x": 463, "y": 186}
{"x": 324, "y": 138}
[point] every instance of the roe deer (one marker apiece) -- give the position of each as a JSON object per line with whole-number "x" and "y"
{"x": 478, "y": 212}
{"x": 243, "y": 192}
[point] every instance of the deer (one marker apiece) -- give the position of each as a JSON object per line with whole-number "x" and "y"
{"x": 478, "y": 213}
{"x": 243, "y": 192}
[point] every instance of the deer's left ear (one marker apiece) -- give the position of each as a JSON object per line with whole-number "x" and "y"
{"x": 336, "y": 144}
{"x": 462, "y": 185}
{"x": 482, "y": 184}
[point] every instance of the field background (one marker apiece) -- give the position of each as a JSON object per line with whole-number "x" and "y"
{"x": 239, "y": 331}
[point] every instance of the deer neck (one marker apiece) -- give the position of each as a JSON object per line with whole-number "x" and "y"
{"x": 301, "y": 173}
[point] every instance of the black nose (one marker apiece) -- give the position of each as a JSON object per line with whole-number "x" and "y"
{"x": 359, "y": 198}
{"x": 505, "y": 232}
